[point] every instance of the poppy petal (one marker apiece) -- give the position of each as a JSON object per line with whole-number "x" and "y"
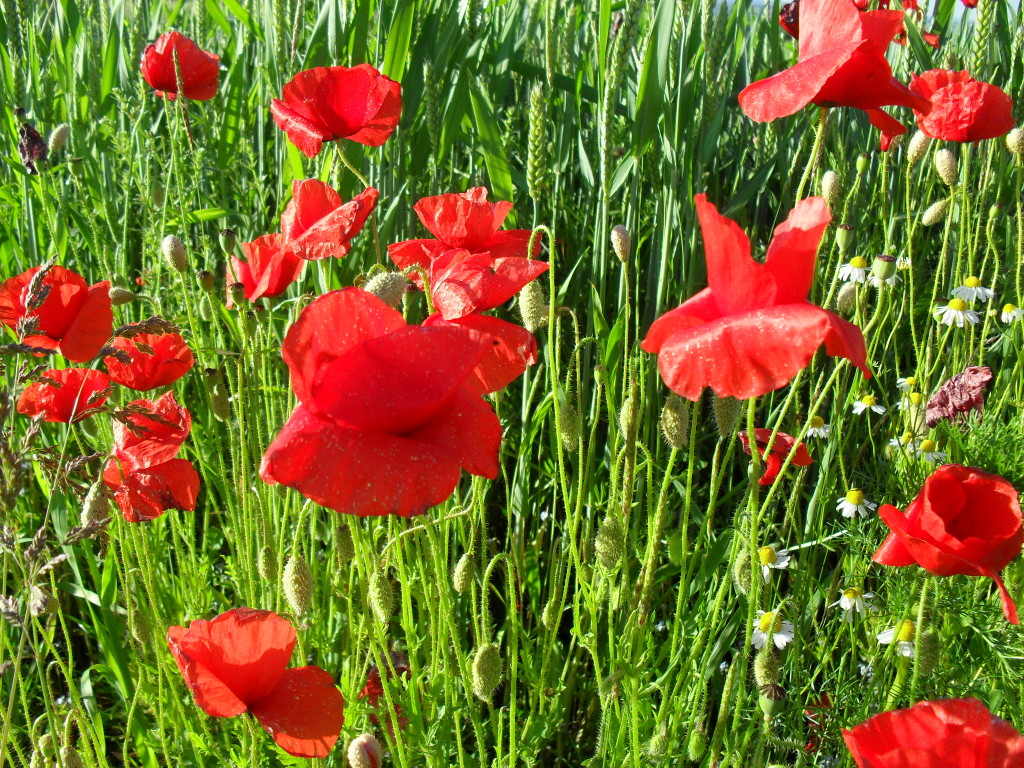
{"x": 91, "y": 327}
{"x": 794, "y": 248}
{"x": 64, "y": 396}
{"x": 330, "y": 235}
{"x": 157, "y": 439}
{"x": 304, "y": 713}
{"x": 147, "y": 493}
{"x": 511, "y": 349}
{"x": 697, "y": 310}
{"x": 307, "y": 136}
{"x": 160, "y": 360}
{"x": 464, "y": 283}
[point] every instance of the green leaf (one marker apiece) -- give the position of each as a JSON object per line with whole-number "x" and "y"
{"x": 494, "y": 151}
{"x": 396, "y": 54}
{"x": 650, "y": 102}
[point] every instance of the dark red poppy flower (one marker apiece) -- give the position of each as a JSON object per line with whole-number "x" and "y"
{"x": 373, "y": 691}
{"x": 465, "y": 283}
{"x": 330, "y": 103}
{"x": 936, "y": 734}
{"x": 962, "y": 108}
{"x": 158, "y": 359}
{"x": 789, "y": 18}
{"x": 238, "y": 662}
{"x": 65, "y": 396}
{"x": 958, "y": 395}
{"x": 74, "y": 317}
{"x": 752, "y": 329}
{"x": 388, "y": 415}
{"x": 970, "y": 3}
{"x": 782, "y": 447}
{"x": 512, "y": 348}
{"x": 962, "y": 521}
{"x": 841, "y": 64}
{"x": 199, "y": 69}
{"x": 158, "y": 429}
{"x": 270, "y": 267}
{"x": 145, "y": 494}
{"x": 317, "y": 224}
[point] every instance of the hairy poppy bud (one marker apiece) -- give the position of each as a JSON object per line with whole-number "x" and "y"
{"x": 381, "y": 595}
{"x": 550, "y": 615}
{"x": 533, "y": 306}
{"x": 156, "y": 193}
{"x": 928, "y": 648}
{"x": 917, "y": 147}
{"x": 266, "y": 564}
{"x": 1015, "y": 141}
{"x": 884, "y": 266}
{"x": 862, "y": 163}
{"x": 936, "y": 213}
{"x": 627, "y": 418}
{"x": 742, "y": 572}
{"x": 995, "y": 211}
{"x": 727, "y": 414}
{"x": 298, "y": 585}
{"x": 609, "y": 543}
{"x": 119, "y": 296}
{"x": 846, "y": 301}
{"x": 96, "y": 505}
{"x": 696, "y": 745}
{"x": 46, "y": 746}
{"x": 831, "y": 188}
{"x": 766, "y": 666}
{"x": 227, "y": 241}
{"x": 569, "y": 422}
{"x": 70, "y": 758}
{"x": 464, "y": 572}
{"x": 174, "y": 253}
{"x": 658, "y": 745}
{"x": 622, "y": 244}
{"x": 771, "y": 700}
{"x": 487, "y": 670}
{"x": 344, "y": 547}
{"x": 364, "y": 751}
{"x": 59, "y": 138}
{"x": 389, "y": 287}
{"x": 946, "y": 166}
{"x": 138, "y": 626}
{"x": 844, "y": 237}
{"x": 675, "y": 421}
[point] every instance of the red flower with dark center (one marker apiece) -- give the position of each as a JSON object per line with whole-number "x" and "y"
{"x": 752, "y": 329}
{"x": 330, "y": 103}
{"x": 199, "y": 69}
{"x": 782, "y": 447}
{"x": 158, "y": 359}
{"x": 317, "y": 224}
{"x": 963, "y": 521}
{"x": 65, "y": 396}
{"x": 74, "y": 317}
{"x": 841, "y": 63}
{"x": 238, "y": 662}
{"x": 464, "y": 283}
{"x": 958, "y": 733}
{"x": 145, "y": 494}
{"x": 388, "y": 414}
{"x": 962, "y": 108}
{"x": 270, "y": 267}
{"x": 512, "y": 348}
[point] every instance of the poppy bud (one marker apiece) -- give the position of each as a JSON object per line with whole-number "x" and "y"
{"x": 766, "y": 666}
{"x": 936, "y": 213}
{"x": 928, "y": 648}
{"x": 658, "y": 745}
{"x": 831, "y": 188}
{"x": 627, "y": 418}
{"x": 298, "y": 585}
{"x": 59, "y": 138}
{"x": 174, "y": 253}
{"x": 364, "y": 751}
{"x": 138, "y": 626}
{"x": 727, "y": 414}
{"x": 96, "y": 505}
{"x": 1015, "y": 141}
{"x": 389, "y": 287}
{"x": 70, "y": 758}
{"x": 946, "y": 166}
{"x": 487, "y": 670}
{"x": 156, "y": 193}
{"x": 266, "y": 564}
{"x": 675, "y": 421}
{"x": 344, "y": 547}
{"x": 771, "y": 700}
{"x": 45, "y": 745}
{"x": 464, "y": 572}
{"x": 696, "y": 745}
{"x": 119, "y": 296}
{"x": 917, "y": 147}
{"x": 621, "y": 243}
{"x": 609, "y": 543}
{"x": 533, "y": 306}
{"x": 549, "y": 617}
{"x": 862, "y": 163}
{"x": 995, "y": 211}
{"x": 227, "y": 240}
{"x": 884, "y": 266}
{"x": 844, "y": 237}
{"x": 569, "y": 422}
{"x": 846, "y": 301}
{"x": 381, "y": 595}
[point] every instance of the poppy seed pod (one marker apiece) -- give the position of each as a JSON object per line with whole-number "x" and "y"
{"x": 174, "y": 253}
{"x": 844, "y": 237}
{"x": 533, "y": 306}
{"x": 236, "y": 293}
{"x": 863, "y": 160}
{"x": 917, "y": 147}
{"x": 488, "y": 667}
{"x": 59, "y": 138}
{"x": 119, "y": 296}
{"x": 227, "y": 240}
{"x": 609, "y": 543}
{"x": 946, "y": 167}
{"x": 622, "y": 244}
{"x": 884, "y": 266}
{"x": 381, "y": 596}
{"x": 298, "y": 585}
{"x": 727, "y": 414}
{"x": 831, "y": 188}
{"x": 464, "y": 572}
{"x": 675, "y": 421}
{"x": 936, "y": 213}
{"x": 364, "y": 751}
{"x": 206, "y": 280}
{"x": 389, "y": 287}
{"x": 995, "y": 211}
{"x": 772, "y": 699}
{"x": 1015, "y": 141}
{"x": 766, "y": 666}
{"x": 846, "y": 301}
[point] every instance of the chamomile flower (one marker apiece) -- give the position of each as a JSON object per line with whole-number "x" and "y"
{"x": 903, "y": 263}
{"x": 854, "y": 503}
{"x": 772, "y": 560}
{"x": 771, "y": 627}
{"x": 911, "y": 400}
{"x": 956, "y": 313}
{"x": 1011, "y": 313}
{"x": 904, "y": 442}
{"x": 973, "y": 290}
{"x": 929, "y": 451}
{"x": 854, "y": 600}
{"x": 878, "y": 282}
{"x": 868, "y": 402}
{"x": 906, "y": 383}
{"x": 855, "y": 270}
{"x": 902, "y": 635}
{"x": 818, "y": 427}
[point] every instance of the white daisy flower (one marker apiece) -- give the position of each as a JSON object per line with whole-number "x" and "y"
{"x": 771, "y": 627}
{"x": 854, "y": 600}
{"x": 956, "y": 313}
{"x": 911, "y": 400}
{"x": 903, "y": 635}
{"x": 906, "y": 383}
{"x": 904, "y": 442}
{"x": 818, "y": 427}
{"x": 929, "y": 451}
{"x": 903, "y": 263}
{"x": 854, "y": 503}
{"x": 1011, "y": 313}
{"x": 877, "y": 282}
{"x": 854, "y": 271}
{"x": 772, "y": 560}
{"x": 973, "y": 290}
{"x": 868, "y": 402}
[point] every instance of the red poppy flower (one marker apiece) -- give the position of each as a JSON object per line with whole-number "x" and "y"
{"x": 145, "y": 494}
{"x": 962, "y": 521}
{"x": 373, "y": 691}
{"x": 782, "y": 447}
{"x": 238, "y": 662}
{"x": 199, "y": 69}
{"x": 158, "y": 359}
{"x": 74, "y": 317}
{"x": 158, "y": 430}
{"x": 464, "y": 283}
{"x": 65, "y": 396}
{"x": 841, "y": 63}
{"x": 961, "y": 108}
{"x": 388, "y": 414}
{"x": 329, "y": 103}
{"x": 752, "y": 329}
{"x": 512, "y": 348}
{"x": 317, "y": 224}
{"x": 269, "y": 269}
{"x": 936, "y": 734}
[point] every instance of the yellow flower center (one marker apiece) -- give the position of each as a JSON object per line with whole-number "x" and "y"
{"x": 910, "y": 381}
{"x": 1008, "y": 308}
{"x": 957, "y": 304}
{"x": 851, "y": 593}
{"x": 907, "y": 437}
{"x": 868, "y": 400}
{"x": 769, "y": 621}
{"x": 928, "y": 446}
{"x": 817, "y": 422}
{"x": 855, "y": 497}
{"x": 916, "y": 398}
{"x": 972, "y": 282}
{"x": 858, "y": 262}
{"x": 906, "y": 632}
{"x": 767, "y": 556}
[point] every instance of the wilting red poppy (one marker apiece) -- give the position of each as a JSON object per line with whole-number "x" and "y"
{"x": 958, "y": 395}
{"x": 752, "y": 329}
{"x": 783, "y": 446}
{"x": 388, "y": 414}
{"x": 962, "y": 521}
{"x": 199, "y": 68}
{"x": 841, "y": 63}
{"x": 238, "y": 662}
{"x": 74, "y": 317}
{"x": 158, "y": 359}
{"x": 66, "y": 395}
{"x": 961, "y": 108}
{"x": 269, "y": 269}
{"x": 317, "y": 224}
{"x": 145, "y": 494}
{"x": 465, "y": 283}
{"x": 160, "y": 428}
{"x": 329, "y": 103}
{"x": 512, "y": 348}
{"x": 373, "y": 691}
{"x": 959, "y": 733}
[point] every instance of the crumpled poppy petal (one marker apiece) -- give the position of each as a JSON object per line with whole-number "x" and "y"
{"x": 789, "y": 91}
{"x": 472, "y": 437}
{"x": 923, "y": 550}
{"x": 887, "y": 124}
{"x": 330, "y": 234}
{"x": 303, "y": 713}
{"x": 463, "y": 220}
{"x": 311, "y": 200}
{"x": 269, "y": 270}
{"x": 307, "y": 136}
{"x": 147, "y": 493}
{"x": 511, "y": 349}
{"x": 962, "y": 108}
{"x": 169, "y": 360}
{"x": 159, "y": 438}
{"x": 415, "y": 252}
{"x": 199, "y": 69}
{"x": 65, "y": 396}
{"x": 464, "y": 283}
{"x": 91, "y": 327}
